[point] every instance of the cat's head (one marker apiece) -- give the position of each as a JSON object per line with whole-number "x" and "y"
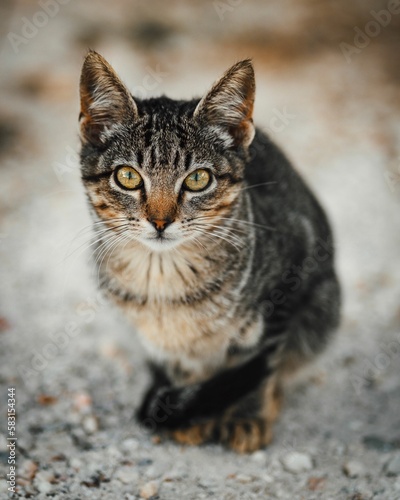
{"x": 160, "y": 171}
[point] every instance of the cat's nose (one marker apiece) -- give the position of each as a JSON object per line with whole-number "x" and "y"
{"x": 160, "y": 224}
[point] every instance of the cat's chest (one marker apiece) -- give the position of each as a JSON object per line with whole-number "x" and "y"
{"x": 171, "y": 304}
{"x": 181, "y": 318}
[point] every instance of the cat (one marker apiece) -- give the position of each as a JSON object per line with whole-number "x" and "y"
{"x": 212, "y": 246}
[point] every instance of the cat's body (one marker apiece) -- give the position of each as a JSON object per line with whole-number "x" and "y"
{"x": 241, "y": 287}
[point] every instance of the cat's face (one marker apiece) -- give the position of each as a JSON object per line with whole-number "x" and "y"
{"x": 164, "y": 172}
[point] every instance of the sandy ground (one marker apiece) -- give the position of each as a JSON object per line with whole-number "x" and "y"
{"x": 76, "y": 365}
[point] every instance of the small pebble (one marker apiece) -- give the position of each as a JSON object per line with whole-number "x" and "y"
{"x": 130, "y": 444}
{"x": 178, "y": 472}
{"x": 82, "y": 402}
{"x": 89, "y": 424}
{"x": 244, "y": 478}
{"x": 127, "y": 475}
{"x": 75, "y": 463}
{"x": 259, "y": 457}
{"x": 353, "y": 468}
{"x": 267, "y": 478}
{"x": 27, "y": 469}
{"x": 155, "y": 470}
{"x": 297, "y": 462}
{"x": 149, "y": 490}
{"x": 392, "y": 468}
{"x": 43, "y": 481}
{"x": 316, "y": 483}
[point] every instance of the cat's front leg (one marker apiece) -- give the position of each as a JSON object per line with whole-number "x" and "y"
{"x": 236, "y": 407}
{"x": 244, "y": 427}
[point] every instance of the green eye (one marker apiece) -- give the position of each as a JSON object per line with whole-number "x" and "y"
{"x": 198, "y": 180}
{"x": 129, "y": 178}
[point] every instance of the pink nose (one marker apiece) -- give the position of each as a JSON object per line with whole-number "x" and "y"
{"x": 160, "y": 224}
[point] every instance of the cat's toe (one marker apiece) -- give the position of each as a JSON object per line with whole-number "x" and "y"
{"x": 246, "y": 436}
{"x": 242, "y": 436}
{"x": 195, "y": 434}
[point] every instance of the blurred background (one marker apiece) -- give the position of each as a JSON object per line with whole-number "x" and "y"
{"x": 328, "y": 82}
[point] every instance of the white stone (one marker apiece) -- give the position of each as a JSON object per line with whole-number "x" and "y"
{"x": 130, "y": 444}
{"x": 75, "y": 463}
{"x": 267, "y": 478}
{"x": 149, "y": 490}
{"x": 244, "y": 478}
{"x": 353, "y": 468}
{"x": 392, "y": 468}
{"x": 42, "y": 481}
{"x": 297, "y": 462}
{"x": 89, "y": 424}
{"x": 127, "y": 475}
{"x": 259, "y": 457}
{"x": 155, "y": 470}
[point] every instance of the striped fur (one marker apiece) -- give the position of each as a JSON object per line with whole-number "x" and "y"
{"x": 240, "y": 286}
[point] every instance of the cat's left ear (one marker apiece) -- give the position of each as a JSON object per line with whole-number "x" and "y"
{"x": 229, "y": 104}
{"x": 105, "y": 101}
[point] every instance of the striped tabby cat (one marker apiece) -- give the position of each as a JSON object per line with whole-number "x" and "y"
{"x": 212, "y": 246}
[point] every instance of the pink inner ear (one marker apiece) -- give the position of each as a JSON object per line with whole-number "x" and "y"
{"x": 244, "y": 133}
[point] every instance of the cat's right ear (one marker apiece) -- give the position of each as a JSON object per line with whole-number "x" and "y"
{"x": 105, "y": 101}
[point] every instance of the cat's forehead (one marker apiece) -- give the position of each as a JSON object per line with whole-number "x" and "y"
{"x": 164, "y": 138}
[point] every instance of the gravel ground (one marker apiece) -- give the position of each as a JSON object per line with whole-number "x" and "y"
{"x": 76, "y": 365}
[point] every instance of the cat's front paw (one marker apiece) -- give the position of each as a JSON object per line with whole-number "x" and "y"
{"x": 242, "y": 436}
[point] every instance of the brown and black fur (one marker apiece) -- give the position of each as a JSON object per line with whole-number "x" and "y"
{"x": 247, "y": 290}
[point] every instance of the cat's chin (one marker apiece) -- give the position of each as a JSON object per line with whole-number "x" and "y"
{"x": 161, "y": 244}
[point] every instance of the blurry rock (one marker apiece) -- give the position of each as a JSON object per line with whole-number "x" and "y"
{"x": 82, "y": 402}
{"x": 316, "y": 483}
{"x": 296, "y": 462}
{"x": 46, "y": 399}
{"x": 130, "y": 444}
{"x": 90, "y": 424}
{"x": 149, "y": 490}
{"x": 392, "y": 468}
{"x": 259, "y": 457}
{"x": 267, "y": 478}
{"x": 244, "y": 478}
{"x": 379, "y": 444}
{"x": 75, "y": 463}
{"x": 155, "y": 471}
{"x": 127, "y": 475}
{"x": 27, "y": 469}
{"x": 95, "y": 480}
{"x": 43, "y": 480}
{"x": 353, "y": 468}
{"x": 80, "y": 439}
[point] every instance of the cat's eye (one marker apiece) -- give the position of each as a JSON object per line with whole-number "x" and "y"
{"x": 128, "y": 178}
{"x": 197, "y": 180}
